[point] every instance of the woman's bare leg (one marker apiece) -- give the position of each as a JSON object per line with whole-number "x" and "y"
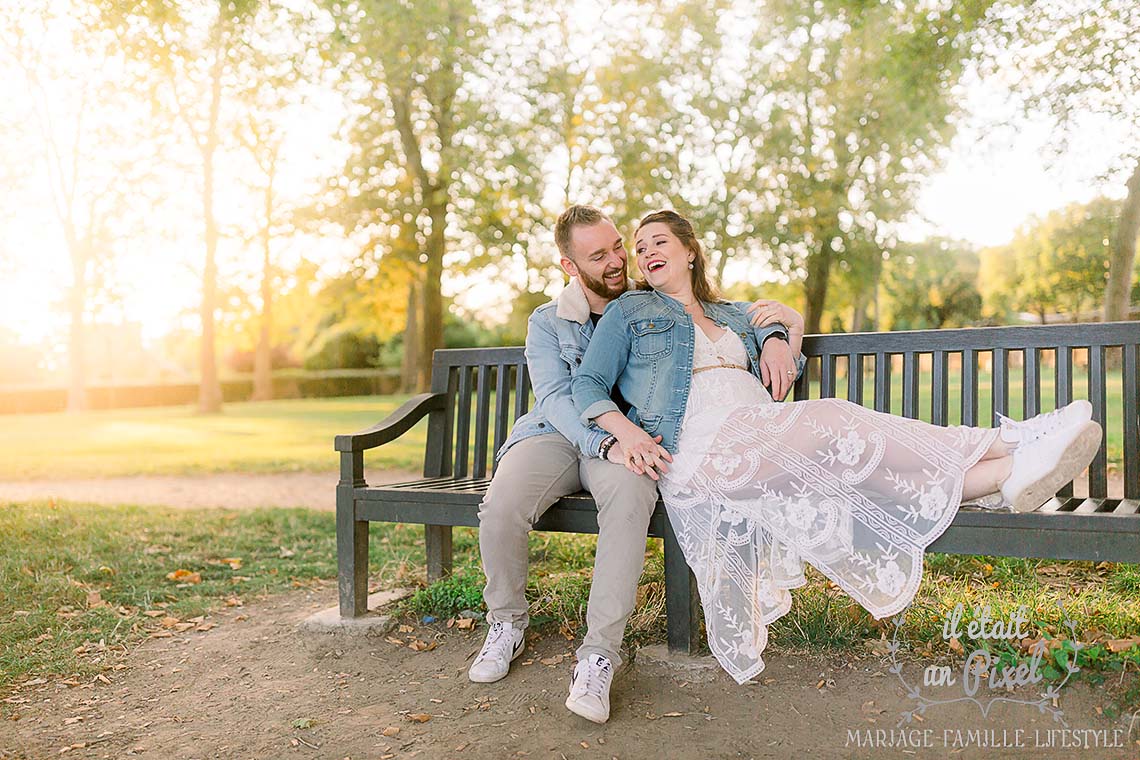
{"x": 986, "y": 476}
{"x": 998, "y": 450}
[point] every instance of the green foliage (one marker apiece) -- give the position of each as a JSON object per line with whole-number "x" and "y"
{"x": 930, "y": 285}
{"x": 1055, "y": 263}
{"x": 448, "y": 597}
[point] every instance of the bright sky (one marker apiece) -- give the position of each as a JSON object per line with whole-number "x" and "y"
{"x": 991, "y": 183}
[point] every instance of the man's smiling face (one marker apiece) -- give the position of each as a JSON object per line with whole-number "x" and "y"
{"x": 599, "y": 259}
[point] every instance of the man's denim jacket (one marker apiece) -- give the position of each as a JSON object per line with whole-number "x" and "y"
{"x": 644, "y": 345}
{"x": 557, "y": 336}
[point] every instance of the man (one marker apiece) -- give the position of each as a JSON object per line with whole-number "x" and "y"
{"x": 550, "y": 454}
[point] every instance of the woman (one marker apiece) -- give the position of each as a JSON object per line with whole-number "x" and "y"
{"x": 754, "y": 488}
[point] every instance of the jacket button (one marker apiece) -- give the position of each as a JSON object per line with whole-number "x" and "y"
{"x": 542, "y": 424}
{"x": 651, "y": 325}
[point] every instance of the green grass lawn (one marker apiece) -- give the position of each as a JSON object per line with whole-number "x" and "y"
{"x": 83, "y": 583}
{"x": 271, "y": 436}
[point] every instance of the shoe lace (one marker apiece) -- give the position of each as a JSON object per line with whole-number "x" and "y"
{"x": 1035, "y": 427}
{"x": 595, "y": 678}
{"x": 496, "y": 642}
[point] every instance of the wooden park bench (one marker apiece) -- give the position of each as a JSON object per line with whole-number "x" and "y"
{"x": 477, "y": 393}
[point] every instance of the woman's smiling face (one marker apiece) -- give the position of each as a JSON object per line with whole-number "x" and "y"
{"x": 663, "y": 258}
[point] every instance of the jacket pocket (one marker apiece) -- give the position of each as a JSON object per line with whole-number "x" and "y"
{"x": 649, "y": 422}
{"x": 652, "y": 338}
{"x": 572, "y": 355}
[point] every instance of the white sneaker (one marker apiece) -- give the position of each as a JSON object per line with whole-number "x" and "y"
{"x": 1027, "y": 431}
{"x": 1042, "y": 466}
{"x": 590, "y": 688}
{"x": 503, "y": 644}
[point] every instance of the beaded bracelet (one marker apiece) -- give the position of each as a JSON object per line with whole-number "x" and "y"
{"x": 607, "y": 444}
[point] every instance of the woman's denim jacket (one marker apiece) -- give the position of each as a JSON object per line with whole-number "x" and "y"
{"x": 644, "y": 344}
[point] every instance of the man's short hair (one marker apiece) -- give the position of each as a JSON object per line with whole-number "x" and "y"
{"x": 575, "y": 216}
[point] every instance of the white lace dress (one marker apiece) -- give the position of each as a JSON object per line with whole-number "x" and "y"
{"x": 758, "y": 488}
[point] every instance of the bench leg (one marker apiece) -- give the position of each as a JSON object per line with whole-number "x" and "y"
{"x": 351, "y": 555}
{"x": 437, "y": 544}
{"x": 682, "y": 602}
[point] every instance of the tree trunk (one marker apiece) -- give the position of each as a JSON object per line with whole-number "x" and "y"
{"x": 1117, "y": 292}
{"x": 263, "y": 360}
{"x": 76, "y": 350}
{"x": 815, "y": 286}
{"x": 209, "y": 390}
{"x": 432, "y": 327}
{"x": 859, "y": 310}
{"x": 409, "y": 371}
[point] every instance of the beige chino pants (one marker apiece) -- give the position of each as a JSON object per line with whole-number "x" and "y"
{"x": 532, "y": 475}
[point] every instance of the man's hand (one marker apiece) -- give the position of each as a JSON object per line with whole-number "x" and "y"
{"x": 777, "y": 367}
{"x": 765, "y": 312}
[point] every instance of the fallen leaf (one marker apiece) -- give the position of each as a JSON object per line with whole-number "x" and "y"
{"x": 552, "y": 660}
{"x": 233, "y": 562}
{"x": 406, "y": 629}
{"x": 394, "y": 640}
{"x": 422, "y": 646}
{"x": 303, "y": 723}
{"x": 465, "y": 624}
{"x": 95, "y": 600}
{"x": 233, "y": 601}
{"x": 205, "y": 627}
{"x": 955, "y": 645}
{"x": 154, "y": 613}
{"x": 161, "y": 635}
{"x": 1120, "y": 645}
{"x": 169, "y": 622}
{"x": 584, "y": 745}
{"x": 391, "y": 731}
{"x": 184, "y": 576}
{"x": 419, "y": 717}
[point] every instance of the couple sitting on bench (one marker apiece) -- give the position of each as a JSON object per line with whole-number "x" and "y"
{"x": 668, "y": 386}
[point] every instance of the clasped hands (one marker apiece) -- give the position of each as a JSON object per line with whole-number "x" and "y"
{"x": 641, "y": 454}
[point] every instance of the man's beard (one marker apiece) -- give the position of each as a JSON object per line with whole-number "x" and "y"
{"x": 603, "y": 289}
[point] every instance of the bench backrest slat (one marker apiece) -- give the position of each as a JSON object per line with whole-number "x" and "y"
{"x": 999, "y": 383}
{"x": 949, "y": 377}
{"x": 1131, "y": 423}
{"x": 940, "y": 387}
{"x": 482, "y": 418}
{"x": 502, "y": 403}
{"x": 1031, "y": 383}
{"x": 463, "y": 423}
{"x": 1098, "y": 470}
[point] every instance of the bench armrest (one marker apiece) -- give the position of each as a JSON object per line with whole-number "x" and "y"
{"x": 394, "y": 425}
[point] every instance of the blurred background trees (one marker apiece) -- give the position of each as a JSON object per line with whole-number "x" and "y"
{"x": 355, "y": 183}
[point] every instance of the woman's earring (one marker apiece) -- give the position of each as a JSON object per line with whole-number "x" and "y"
{"x": 690, "y": 265}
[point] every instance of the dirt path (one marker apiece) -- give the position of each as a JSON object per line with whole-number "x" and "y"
{"x": 235, "y": 490}
{"x": 254, "y": 687}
